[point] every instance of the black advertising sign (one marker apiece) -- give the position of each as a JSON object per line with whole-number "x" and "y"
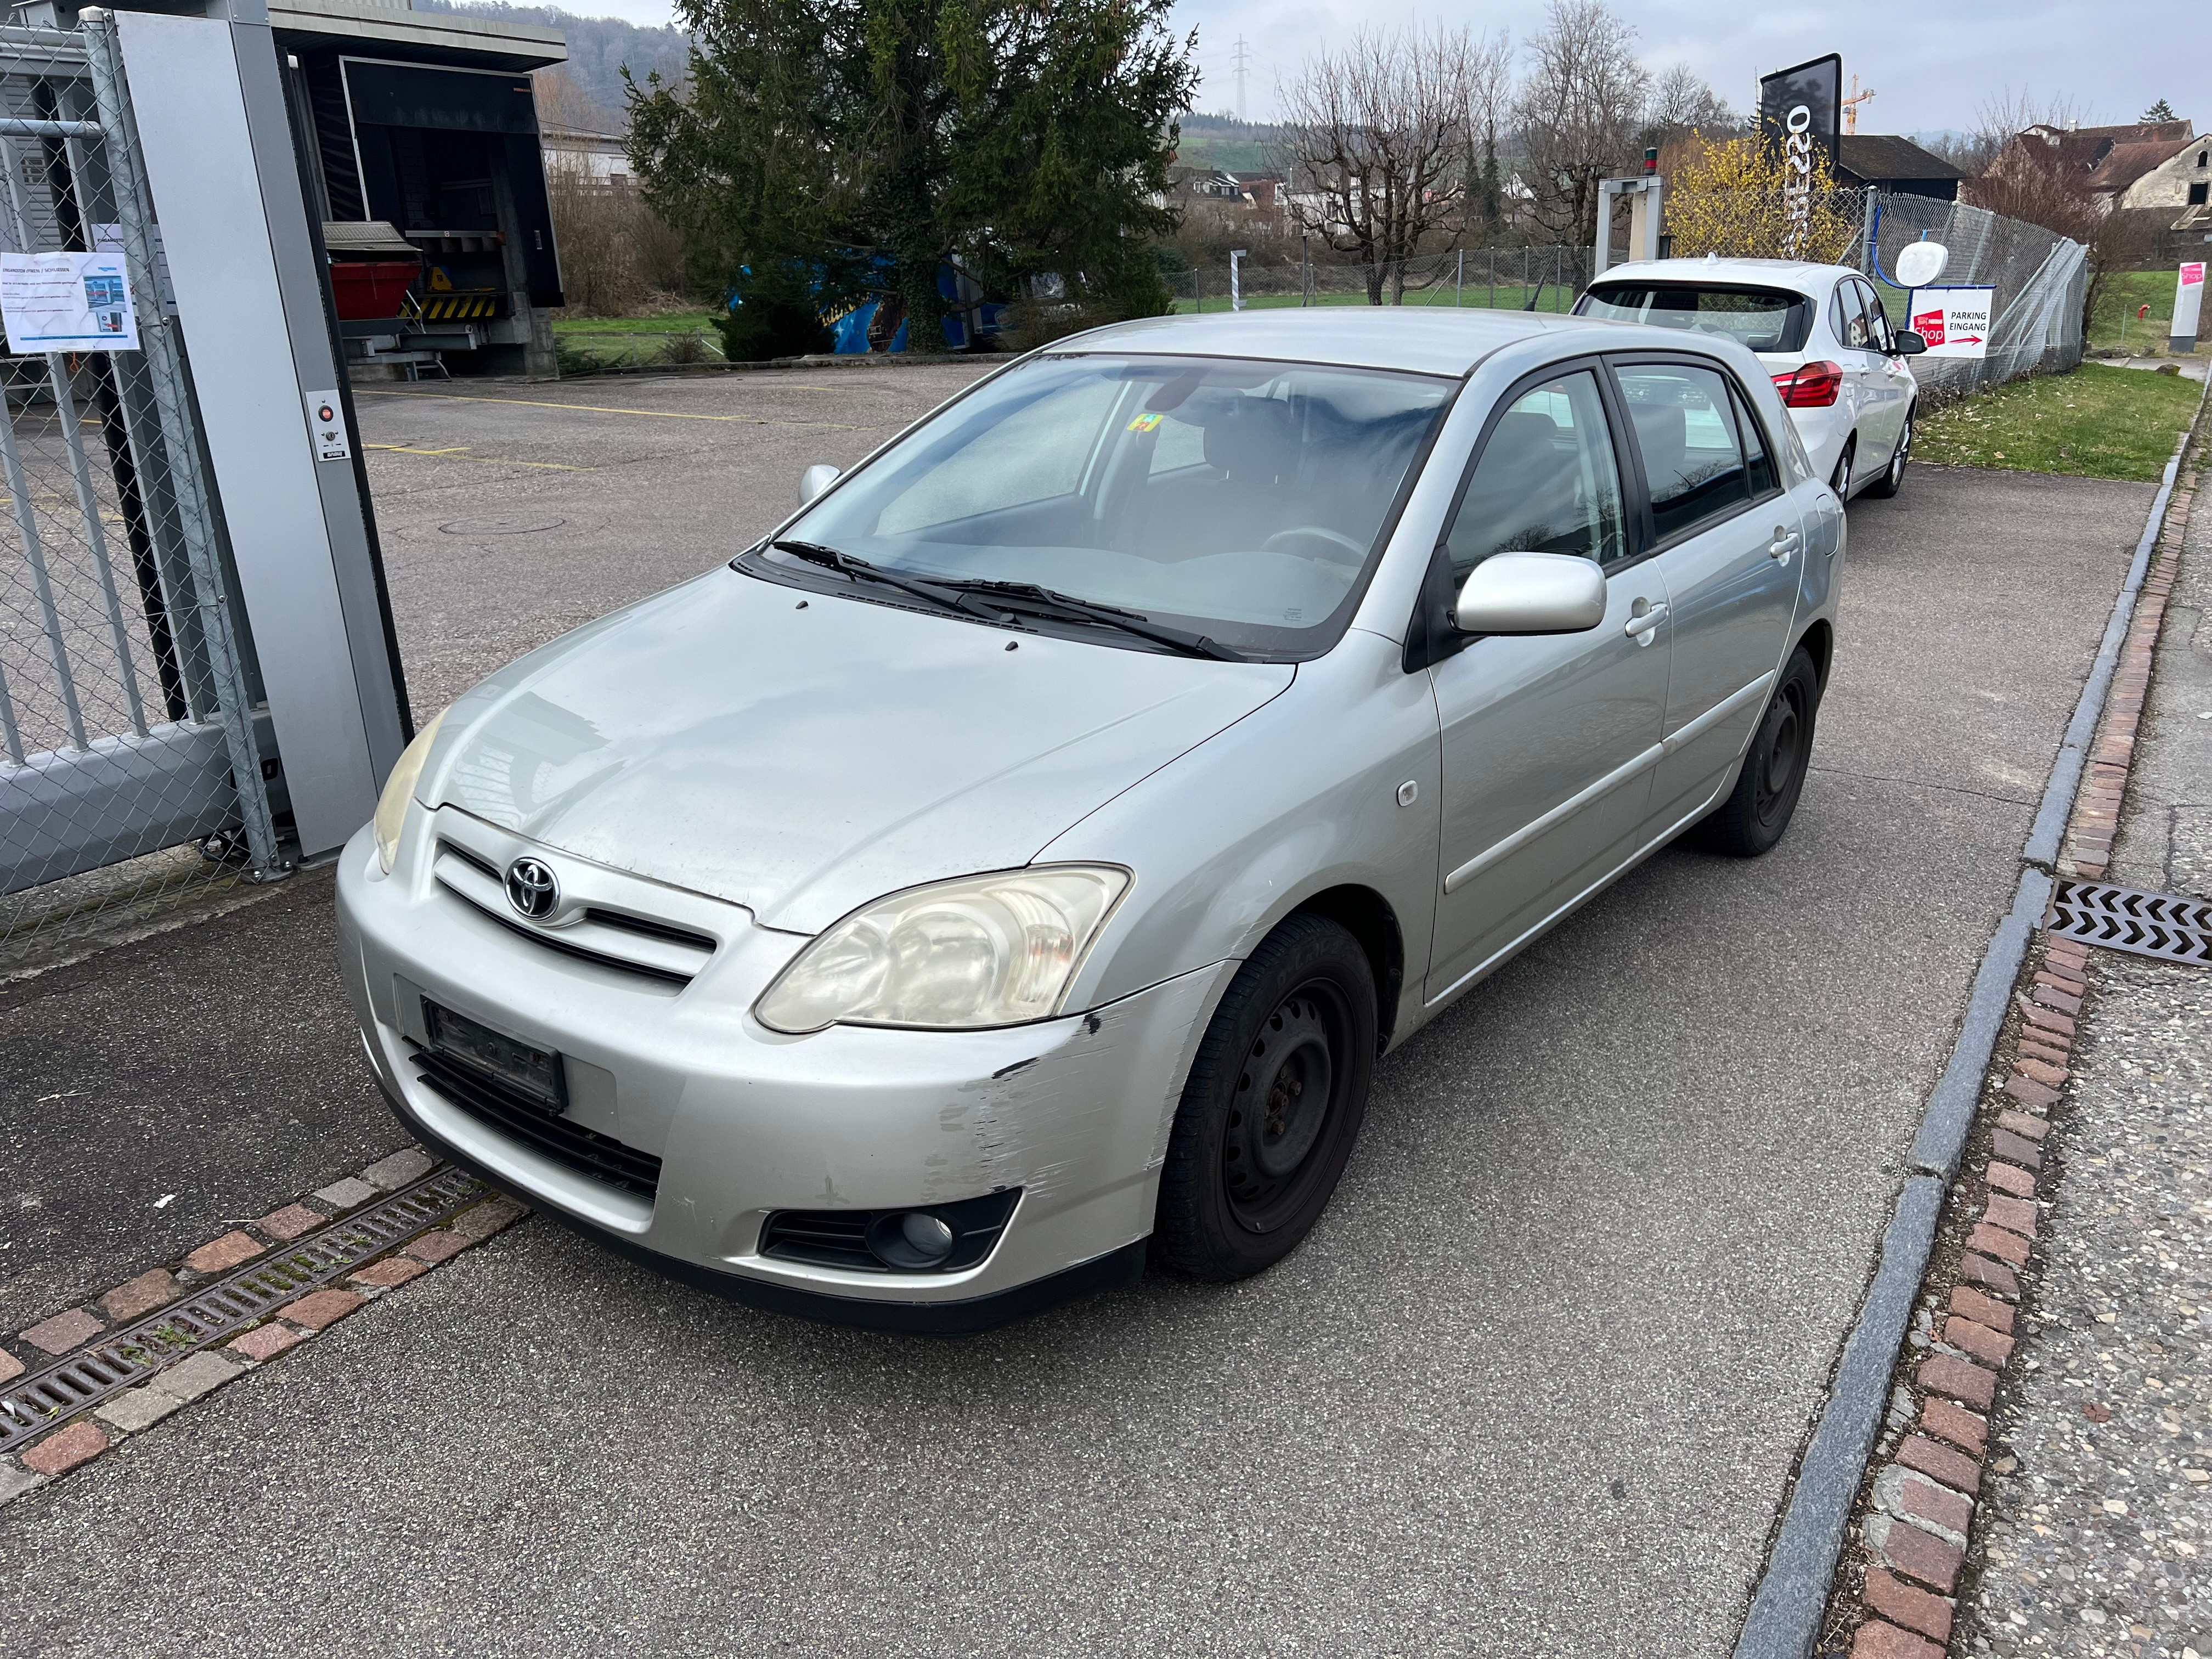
{"x": 1803, "y": 107}
{"x": 1801, "y": 111}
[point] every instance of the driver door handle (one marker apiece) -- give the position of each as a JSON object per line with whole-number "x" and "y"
{"x": 1786, "y": 542}
{"x": 1639, "y": 628}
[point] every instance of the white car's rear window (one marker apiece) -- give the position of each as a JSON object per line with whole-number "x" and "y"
{"x": 1763, "y": 319}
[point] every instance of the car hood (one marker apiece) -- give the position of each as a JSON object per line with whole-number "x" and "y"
{"x": 801, "y": 755}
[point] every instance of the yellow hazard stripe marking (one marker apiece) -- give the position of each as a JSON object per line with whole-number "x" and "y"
{"x": 462, "y": 452}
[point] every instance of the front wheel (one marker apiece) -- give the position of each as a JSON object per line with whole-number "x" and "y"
{"x": 1272, "y": 1106}
{"x": 1759, "y": 809}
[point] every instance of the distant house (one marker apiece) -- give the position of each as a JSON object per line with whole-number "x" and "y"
{"x": 595, "y": 158}
{"x": 2176, "y": 192}
{"x": 1888, "y": 162}
{"x": 1207, "y": 184}
{"x": 2114, "y": 158}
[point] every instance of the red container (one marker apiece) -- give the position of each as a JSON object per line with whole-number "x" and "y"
{"x": 370, "y": 290}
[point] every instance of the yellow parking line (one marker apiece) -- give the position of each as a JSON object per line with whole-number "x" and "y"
{"x": 607, "y": 409}
{"x": 462, "y": 451}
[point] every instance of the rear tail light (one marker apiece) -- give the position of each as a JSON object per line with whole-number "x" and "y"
{"x": 1813, "y": 386}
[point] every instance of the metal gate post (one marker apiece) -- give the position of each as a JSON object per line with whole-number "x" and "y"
{"x": 165, "y": 369}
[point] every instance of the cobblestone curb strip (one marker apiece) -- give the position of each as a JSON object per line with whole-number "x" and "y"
{"x": 1919, "y": 1371}
{"x": 1895, "y": 1597}
{"x": 125, "y": 1335}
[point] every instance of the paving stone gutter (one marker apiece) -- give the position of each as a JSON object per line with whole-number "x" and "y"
{"x": 60, "y": 1404}
{"x": 1871, "y": 1555}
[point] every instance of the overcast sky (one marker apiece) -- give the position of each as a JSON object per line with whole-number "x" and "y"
{"x": 1931, "y": 62}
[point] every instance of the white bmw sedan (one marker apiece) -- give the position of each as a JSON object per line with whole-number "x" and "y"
{"x": 1821, "y": 331}
{"x": 1016, "y": 862}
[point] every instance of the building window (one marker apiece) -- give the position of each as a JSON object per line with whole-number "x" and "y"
{"x": 2195, "y": 194}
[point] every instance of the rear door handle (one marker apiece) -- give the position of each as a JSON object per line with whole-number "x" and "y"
{"x": 1785, "y": 543}
{"x": 1639, "y": 628}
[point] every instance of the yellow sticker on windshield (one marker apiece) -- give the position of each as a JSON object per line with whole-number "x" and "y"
{"x": 1146, "y": 423}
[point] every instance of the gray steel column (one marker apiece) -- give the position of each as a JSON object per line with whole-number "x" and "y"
{"x": 134, "y": 212}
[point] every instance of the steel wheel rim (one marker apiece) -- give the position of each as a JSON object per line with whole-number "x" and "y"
{"x": 1904, "y": 449}
{"x": 1288, "y": 1108}
{"x": 1779, "y": 760}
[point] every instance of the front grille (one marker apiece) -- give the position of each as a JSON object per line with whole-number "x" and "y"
{"x": 663, "y": 953}
{"x": 569, "y": 1144}
{"x": 838, "y": 1238}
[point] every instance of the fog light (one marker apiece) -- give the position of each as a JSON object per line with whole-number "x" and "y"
{"x": 910, "y": 1241}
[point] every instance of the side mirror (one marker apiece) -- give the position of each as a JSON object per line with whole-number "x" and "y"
{"x": 1905, "y": 344}
{"x": 1531, "y": 594}
{"x": 816, "y": 479}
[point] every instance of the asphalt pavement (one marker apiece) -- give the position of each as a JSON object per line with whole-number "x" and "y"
{"x": 1534, "y": 1387}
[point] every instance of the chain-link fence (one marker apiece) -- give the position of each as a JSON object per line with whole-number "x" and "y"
{"x": 126, "y": 683}
{"x": 2039, "y": 277}
{"x": 1505, "y": 278}
{"x": 2041, "y": 280}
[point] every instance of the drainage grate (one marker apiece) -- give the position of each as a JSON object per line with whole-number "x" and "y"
{"x": 2160, "y": 924}
{"x": 131, "y": 1356}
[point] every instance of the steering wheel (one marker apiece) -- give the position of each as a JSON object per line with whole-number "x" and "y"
{"x": 1356, "y": 552}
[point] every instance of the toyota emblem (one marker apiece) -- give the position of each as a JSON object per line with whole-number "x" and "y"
{"x": 532, "y": 888}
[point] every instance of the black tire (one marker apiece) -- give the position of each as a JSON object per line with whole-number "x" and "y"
{"x": 1759, "y": 809}
{"x": 1251, "y": 1164}
{"x": 1841, "y": 482}
{"x": 1893, "y": 476}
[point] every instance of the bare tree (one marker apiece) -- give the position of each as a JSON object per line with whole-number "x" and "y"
{"x": 1580, "y": 111}
{"x": 1683, "y": 102}
{"x": 2035, "y": 170}
{"x": 1374, "y": 143}
{"x": 1490, "y": 109}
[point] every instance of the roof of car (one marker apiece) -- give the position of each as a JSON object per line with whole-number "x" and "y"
{"x": 1766, "y": 273}
{"x": 1427, "y": 339}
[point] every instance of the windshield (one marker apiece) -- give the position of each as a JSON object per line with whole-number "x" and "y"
{"x": 1238, "y": 500}
{"x": 1764, "y": 318}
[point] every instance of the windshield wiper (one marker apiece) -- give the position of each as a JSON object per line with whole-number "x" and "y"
{"x": 1048, "y": 601}
{"x": 848, "y": 564}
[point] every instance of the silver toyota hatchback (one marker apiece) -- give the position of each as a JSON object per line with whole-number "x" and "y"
{"x": 1019, "y": 858}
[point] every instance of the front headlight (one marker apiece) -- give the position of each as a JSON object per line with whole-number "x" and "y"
{"x": 400, "y": 792}
{"x": 983, "y": 950}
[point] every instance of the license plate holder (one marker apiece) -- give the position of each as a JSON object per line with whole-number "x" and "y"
{"x": 534, "y": 1073}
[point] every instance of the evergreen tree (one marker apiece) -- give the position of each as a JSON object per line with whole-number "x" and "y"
{"x": 867, "y": 141}
{"x": 1490, "y": 192}
{"x": 2161, "y": 110}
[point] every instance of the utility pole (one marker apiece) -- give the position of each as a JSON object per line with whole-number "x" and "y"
{"x": 1243, "y": 63}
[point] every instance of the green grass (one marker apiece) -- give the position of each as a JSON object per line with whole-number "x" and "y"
{"x": 2115, "y": 322}
{"x": 673, "y": 322}
{"x": 2097, "y": 423}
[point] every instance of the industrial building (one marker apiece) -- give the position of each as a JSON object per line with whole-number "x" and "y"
{"x": 419, "y": 142}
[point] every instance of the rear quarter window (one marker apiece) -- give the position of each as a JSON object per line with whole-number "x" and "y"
{"x": 1762, "y": 319}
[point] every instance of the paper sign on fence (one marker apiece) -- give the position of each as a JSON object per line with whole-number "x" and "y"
{"x": 67, "y": 302}
{"x": 1954, "y": 321}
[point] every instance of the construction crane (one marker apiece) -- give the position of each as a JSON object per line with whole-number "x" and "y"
{"x": 1852, "y": 104}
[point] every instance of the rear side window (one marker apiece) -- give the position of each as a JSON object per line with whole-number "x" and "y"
{"x": 1546, "y": 482}
{"x": 1847, "y": 316}
{"x": 1684, "y": 427}
{"x": 1877, "y": 319}
{"x": 1763, "y": 319}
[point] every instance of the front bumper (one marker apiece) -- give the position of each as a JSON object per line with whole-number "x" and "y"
{"x": 745, "y": 1122}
